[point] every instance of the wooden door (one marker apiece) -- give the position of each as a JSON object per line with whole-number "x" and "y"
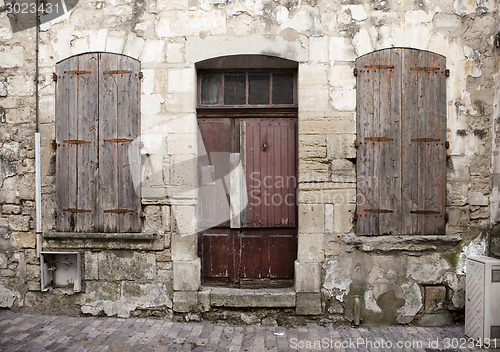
{"x": 261, "y": 247}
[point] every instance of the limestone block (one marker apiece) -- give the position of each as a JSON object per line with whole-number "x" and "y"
{"x": 187, "y": 275}
{"x": 313, "y": 171}
{"x": 20, "y": 85}
{"x": 427, "y": 269}
{"x": 47, "y": 110}
{"x": 456, "y": 283}
{"x": 91, "y": 265}
{"x": 9, "y": 209}
{"x": 307, "y": 277}
{"x": 435, "y": 297}
{"x": 185, "y": 219}
{"x": 97, "y": 39}
{"x": 133, "y": 46}
{"x": 151, "y": 104}
{"x": 33, "y": 272}
{"x": 175, "y": 53}
{"x": 166, "y": 218}
{"x": 312, "y": 76}
{"x": 312, "y": 146}
{"x": 11, "y": 56}
{"x": 343, "y": 171}
{"x": 478, "y": 198}
{"x": 115, "y": 42}
{"x": 7, "y": 297}
{"x": 152, "y": 221}
{"x": 341, "y": 75}
{"x": 457, "y": 193}
{"x": 19, "y": 223}
{"x": 343, "y": 99}
{"x": 313, "y": 99}
{"x": 329, "y": 229}
{"x": 184, "y": 246}
{"x": 185, "y": 301}
{"x": 319, "y": 122}
{"x": 164, "y": 256}
{"x": 153, "y": 51}
{"x": 341, "y": 49}
{"x": 148, "y": 81}
{"x": 181, "y": 143}
{"x": 23, "y": 239}
{"x": 308, "y": 303}
{"x": 362, "y": 41}
{"x": 318, "y": 49}
{"x": 311, "y": 218}
{"x": 343, "y": 215}
{"x": 126, "y": 265}
{"x": 181, "y": 102}
{"x": 328, "y": 196}
{"x": 183, "y": 170}
{"x": 310, "y": 247}
{"x": 340, "y": 146}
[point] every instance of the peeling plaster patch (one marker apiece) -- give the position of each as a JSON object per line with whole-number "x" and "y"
{"x": 427, "y": 269}
{"x": 337, "y": 277}
{"x": 464, "y": 105}
{"x": 413, "y": 302}
{"x": 457, "y": 285}
{"x": 250, "y": 7}
{"x": 7, "y": 297}
{"x": 357, "y": 12}
{"x": 5, "y": 33}
{"x": 473, "y": 63}
{"x": 476, "y": 247}
{"x": 303, "y": 21}
{"x": 371, "y": 303}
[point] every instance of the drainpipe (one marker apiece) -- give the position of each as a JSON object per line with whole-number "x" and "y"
{"x": 38, "y": 176}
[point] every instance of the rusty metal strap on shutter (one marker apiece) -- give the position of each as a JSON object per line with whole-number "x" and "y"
{"x": 426, "y": 69}
{"x": 378, "y": 211}
{"x": 118, "y": 140}
{"x": 117, "y": 72}
{"x": 78, "y": 72}
{"x": 378, "y": 139}
{"x": 70, "y": 210}
{"x": 75, "y": 141}
{"x": 119, "y": 211}
{"x": 425, "y": 212}
{"x": 425, "y": 140}
{"x": 380, "y": 67}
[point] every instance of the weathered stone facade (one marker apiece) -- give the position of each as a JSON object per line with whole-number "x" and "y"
{"x": 417, "y": 279}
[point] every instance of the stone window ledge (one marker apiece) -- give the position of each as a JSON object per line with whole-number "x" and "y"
{"x": 120, "y": 236}
{"x": 409, "y": 243}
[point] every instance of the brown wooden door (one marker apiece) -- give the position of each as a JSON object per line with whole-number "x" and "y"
{"x": 261, "y": 247}
{"x": 401, "y": 135}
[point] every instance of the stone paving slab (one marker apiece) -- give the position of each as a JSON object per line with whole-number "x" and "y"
{"x": 23, "y": 332}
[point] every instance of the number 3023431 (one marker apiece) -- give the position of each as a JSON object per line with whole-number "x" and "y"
{"x": 24, "y": 8}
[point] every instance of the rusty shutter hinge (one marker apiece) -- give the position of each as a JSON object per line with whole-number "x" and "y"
{"x": 357, "y": 143}
{"x": 119, "y": 211}
{"x": 118, "y": 140}
{"x": 425, "y": 212}
{"x": 447, "y": 144}
{"x": 72, "y": 210}
{"x": 75, "y": 141}
{"x": 54, "y": 77}
{"x": 447, "y": 73}
{"x": 355, "y": 72}
{"x": 141, "y": 75}
{"x": 378, "y": 211}
{"x": 356, "y": 216}
{"x": 117, "y": 72}
{"x": 78, "y": 72}
{"x": 446, "y": 216}
{"x": 53, "y": 145}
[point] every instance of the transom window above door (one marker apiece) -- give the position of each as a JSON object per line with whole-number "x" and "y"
{"x": 249, "y": 88}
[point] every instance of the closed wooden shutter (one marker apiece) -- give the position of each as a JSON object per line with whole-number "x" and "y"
{"x": 97, "y": 129}
{"x": 401, "y": 126}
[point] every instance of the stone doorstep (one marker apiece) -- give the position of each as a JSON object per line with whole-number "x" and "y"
{"x": 259, "y": 298}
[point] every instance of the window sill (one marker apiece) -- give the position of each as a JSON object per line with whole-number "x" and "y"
{"x": 122, "y": 236}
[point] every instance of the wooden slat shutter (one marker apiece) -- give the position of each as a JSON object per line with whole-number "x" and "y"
{"x": 76, "y": 138}
{"x": 118, "y": 143}
{"x": 424, "y": 137}
{"x": 97, "y": 129}
{"x": 270, "y": 173}
{"x": 401, "y": 126}
{"x": 379, "y": 137}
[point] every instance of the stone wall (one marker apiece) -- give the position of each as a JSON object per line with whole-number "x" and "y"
{"x": 123, "y": 277}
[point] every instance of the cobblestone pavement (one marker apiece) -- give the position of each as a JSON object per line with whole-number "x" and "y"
{"x": 22, "y": 332}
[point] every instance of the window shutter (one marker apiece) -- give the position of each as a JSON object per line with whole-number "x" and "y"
{"x": 118, "y": 143}
{"x": 76, "y": 136}
{"x": 379, "y": 138}
{"x": 424, "y": 137}
{"x": 401, "y": 158}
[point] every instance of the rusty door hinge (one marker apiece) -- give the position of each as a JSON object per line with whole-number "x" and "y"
{"x": 446, "y": 216}
{"x": 117, "y": 72}
{"x": 78, "y": 72}
{"x": 447, "y": 144}
{"x": 119, "y": 211}
{"x": 378, "y": 139}
{"x": 426, "y": 69}
{"x": 75, "y": 141}
{"x": 447, "y": 73}
{"x": 72, "y": 210}
{"x": 118, "y": 140}
{"x": 378, "y": 211}
{"x": 141, "y": 75}
{"x": 355, "y": 216}
{"x": 423, "y": 140}
{"x": 53, "y": 145}
{"x": 380, "y": 67}
{"x": 425, "y": 212}
{"x": 357, "y": 143}
{"x": 355, "y": 72}
{"x": 54, "y": 77}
